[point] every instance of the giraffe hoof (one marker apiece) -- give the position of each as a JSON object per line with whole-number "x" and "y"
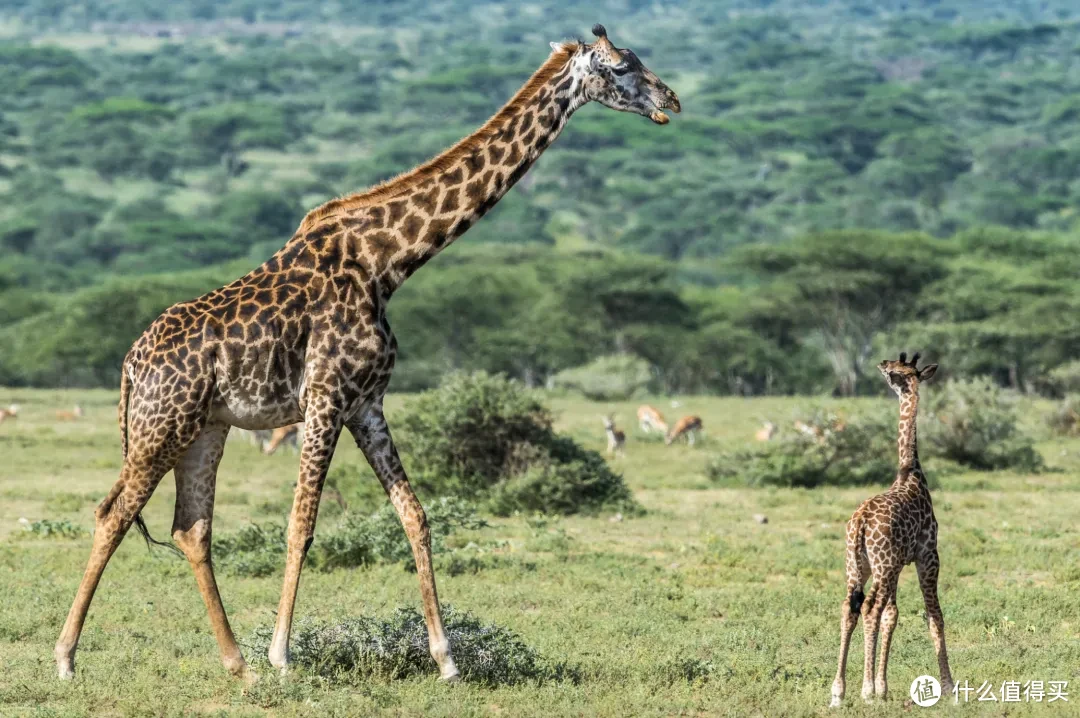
{"x": 835, "y": 702}
{"x": 65, "y": 667}
{"x": 451, "y": 677}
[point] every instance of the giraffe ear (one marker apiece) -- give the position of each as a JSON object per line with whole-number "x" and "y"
{"x": 927, "y": 371}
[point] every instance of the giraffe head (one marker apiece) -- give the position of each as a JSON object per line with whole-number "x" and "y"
{"x": 904, "y": 376}
{"x": 615, "y": 78}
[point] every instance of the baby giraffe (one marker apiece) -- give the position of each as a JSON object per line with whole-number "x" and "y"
{"x": 885, "y": 534}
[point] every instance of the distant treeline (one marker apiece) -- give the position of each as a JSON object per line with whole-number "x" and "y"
{"x": 810, "y": 316}
{"x": 178, "y": 145}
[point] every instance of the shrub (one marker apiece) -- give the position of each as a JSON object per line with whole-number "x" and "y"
{"x": 357, "y": 540}
{"x": 357, "y": 649}
{"x": 1065, "y": 419}
{"x": 973, "y": 422}
{"x": 1061, "y": 380}
{"x": 51, "y": 528}
{"x": 833, "y": 452}
{"x": 607, "y": 378}
{"x": 487, "y": 438}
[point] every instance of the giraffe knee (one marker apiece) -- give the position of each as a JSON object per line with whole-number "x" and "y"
{"x": 194, "y": 541}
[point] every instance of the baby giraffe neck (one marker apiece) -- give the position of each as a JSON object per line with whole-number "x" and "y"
{"x": 906, "y": 441}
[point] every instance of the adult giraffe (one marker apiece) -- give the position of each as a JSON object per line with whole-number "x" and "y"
{"x": 304, "y": 338}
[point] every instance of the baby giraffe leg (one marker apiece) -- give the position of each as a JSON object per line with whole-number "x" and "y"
{"x": 889, "y": 616}
{"x": 196, "y": 478}
{"x": 871, "y": 613}
{"x": 928, "y": 578}
{"x": 849, "y": 618}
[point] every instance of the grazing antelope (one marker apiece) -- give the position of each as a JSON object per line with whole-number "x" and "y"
{"x": 766, "y": 432}
{"x": 616, "y": 439}
{"x": 687, "y": 426}
{"x": 650, "y": 418}
{"x": 291, "y": 435}
{"x": 886, "y": 533}
{"x": 818, "y": 432}
{"x": 256, "y": 437}
{"x": 73, "y": 415}
{"x": 11, "y": 412}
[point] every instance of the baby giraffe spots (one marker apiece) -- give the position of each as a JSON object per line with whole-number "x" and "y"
{"x": 887, "y": 532}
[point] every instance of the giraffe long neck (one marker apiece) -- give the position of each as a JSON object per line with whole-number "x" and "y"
{"x": 400, "y": 225}
{"x": 907, "y": 441}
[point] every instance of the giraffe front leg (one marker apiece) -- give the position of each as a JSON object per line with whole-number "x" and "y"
{"x": 322, "y": 427}
{"x": 928, "y": 580}
{"x": 372, "y": 435}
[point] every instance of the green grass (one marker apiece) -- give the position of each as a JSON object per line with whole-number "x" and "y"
{"x": 693, "y": 609}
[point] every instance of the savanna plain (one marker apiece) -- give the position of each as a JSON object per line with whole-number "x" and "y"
{"x": 692, "y": 608}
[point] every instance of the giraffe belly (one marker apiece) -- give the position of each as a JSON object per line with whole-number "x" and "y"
{"x": 256, "y": 388}
{"x": 246, "y": 414}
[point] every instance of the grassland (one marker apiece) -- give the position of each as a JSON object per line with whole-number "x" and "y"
{"x": 692, "y": 609}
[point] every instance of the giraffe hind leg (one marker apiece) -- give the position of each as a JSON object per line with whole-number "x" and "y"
{"x": 196, "y": 479}
{"x": 858, "y": 573}
{"x": 140, "y": 475}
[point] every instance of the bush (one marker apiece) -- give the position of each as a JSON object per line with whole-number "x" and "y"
{"x": 50, "y": 528}
{"x": 1065, "y": 419}
{"x": 487, "y": 438}
{"x": 830, "y": 452}
{"x": 608, "y": 378}
{"x": 357, "y": 540}
{"x": 973, "y": 422}
{"x": 358, "y": 649}
{"x": 1061, "y": 380}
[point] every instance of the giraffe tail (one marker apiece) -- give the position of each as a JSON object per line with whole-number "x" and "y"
{"x": 140, "y": 524}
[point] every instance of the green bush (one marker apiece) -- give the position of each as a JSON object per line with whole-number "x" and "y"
{"x": 607, "y": 378}
{"x": 973, "y": 422}
{"x": 487, "y": 438}
{"x": 1065, "y": 419}
{"x": 1061, "y": 380}
{"x": 833, "y": 452}
{"x": 357, "y": 540}
{"x": 51, "y": 528}
{"x": 358, "y": 649}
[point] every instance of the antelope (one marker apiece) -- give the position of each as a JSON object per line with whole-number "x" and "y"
{"x": 12, "y": 412}
{"x": 766, "y": 432}
{"x": 73, "y": 415}
{"x": 284, "y": 435}
{"x": 687, "y": 426}
{"x": 650, "y": 418}
{"x": 616, "y": 439}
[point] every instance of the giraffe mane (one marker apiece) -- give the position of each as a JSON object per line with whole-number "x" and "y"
{"x": 448, "y": 158}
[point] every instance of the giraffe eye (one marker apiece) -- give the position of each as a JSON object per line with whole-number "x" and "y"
{"x": 620, "y": 70}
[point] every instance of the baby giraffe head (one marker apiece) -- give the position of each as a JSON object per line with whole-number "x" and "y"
{"x": 615, "y": 78}
{"x": 904, "y": 376}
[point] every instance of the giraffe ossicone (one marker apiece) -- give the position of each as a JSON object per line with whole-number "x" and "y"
{"x": 304, "y": 337}
{"x": 886, "y": 533}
